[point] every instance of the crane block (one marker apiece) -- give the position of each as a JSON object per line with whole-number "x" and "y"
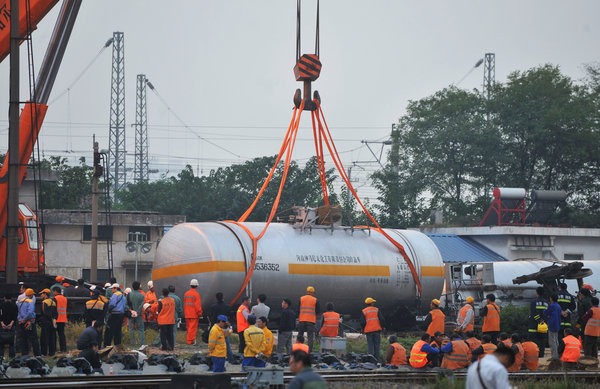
{"x": 308, "y": 68}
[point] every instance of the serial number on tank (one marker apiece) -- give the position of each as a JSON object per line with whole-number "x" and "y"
{"x": 379, "y": 280}
{"x": 266, "y": 267}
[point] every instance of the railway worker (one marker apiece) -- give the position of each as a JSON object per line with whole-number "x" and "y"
{"x": 396, "y": 353}
{"x": 553, "y": 316}
{"x": 438, "y": 342}
{"x": 299, "y": 345}
{"x": 260, "y": 309}
{"x": 330, "y": 322}
{"x": 519, "y": 352}
{"x": 473, "y": 342}
{"x": 306, "y": 378}
{"x": 570, "y": 349}
{"x": 422, "y": 354}
{"x": 88, "y": 344}
{"x": 466, "y": 317}
{"x": 435, "y": 320}
{"x": 166, "y": 320}
{"x": 150, "y": 296}
{"x": 26, "y": 319}
{"x": 47, "y": 322}
{"x": 491, "y": 318}
{"x": 592, "y": 329}
{"x": 95, "y": 310}
{"x": 255, "y": 344}
{"x": 178, "y": 312}
{"x": 59, "y": 280}
{"x": 567, "y": 305}
{"x": 287, "y": 324}
{"x": 135, "y": 302}
{"x": 217, "y": 309}
{"x": 217, "y": 347}
{"x": 487, "y": 347}
{"x": 490, "y": 372}
{"x": 192, "y": 310}
{"x": 116, "y": 309}
{"x": 584, "y": 304}
{"x": 536, "y": 311}
{"x": 372, "y": 323}
{"x": 108, "y": 287}
{"x": 61, "y": 319}
{"x": 69, "y": 290}
{"x": 242, "y": 321}
{"x": 261, "y": 323}
{"x": 505, "y": 339}
{"x": 308, "y": 309}
{"x": 531, "y": 356}
{"x": 8, "y": 322}
{"x": 457, "y": 354}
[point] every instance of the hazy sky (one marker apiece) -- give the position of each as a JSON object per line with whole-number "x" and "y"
{"x": 225, "y": 67}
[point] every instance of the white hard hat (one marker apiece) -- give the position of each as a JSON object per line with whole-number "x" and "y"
{"x": 127, "y": 290}
{"x": 107, "y": 285}
{"x": 115, "y": 285}
{"x": 150, "y": 284}
{"x": 93, "y": 287}
{"x": 194, "y": 282}
{"x": 146, "y": 306}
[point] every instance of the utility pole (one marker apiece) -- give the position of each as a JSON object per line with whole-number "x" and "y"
{"x": 140, "y": 172}
{"x": 117, "y": 145}
{"x": 12, "y": 249}
{"x": 395, "y": 152}
{"x": 98, "y": 171}
{"x": 489, "y": 74}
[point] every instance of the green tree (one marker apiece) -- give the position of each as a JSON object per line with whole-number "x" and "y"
{"x": 72, "y": 190}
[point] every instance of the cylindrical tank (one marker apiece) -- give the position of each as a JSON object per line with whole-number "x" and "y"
{"x": 344, "y": 266}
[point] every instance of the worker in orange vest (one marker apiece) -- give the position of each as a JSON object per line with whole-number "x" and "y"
{"x": 473, "y": 342}
{"x": 570, "y": 348}
{"x": 491, "y": 318}
{"x": 299, "y": 345}
{"x": 242, "y": 321}
{"x": 531, "y": 355}
{"x": 519, "y": 353}
{"x": 592, "y": 329}
{"x": 422, "y": 353}
{"x": 166, "y": 320}
{"x": 396, "y": 353}
{"x": 435, "y": 320}
{"x": 457, "y": 354}
{"x": 61, "y": 320}
{"x": 487, "y": 347}
{"x": 150, "y": 297}
{"x": 372, "y": 322}
{"x": 330, "y": 323}
{"x": 192, "y": 311}
{"x": 466, "y": 317}
{"x": 308, "y": 310}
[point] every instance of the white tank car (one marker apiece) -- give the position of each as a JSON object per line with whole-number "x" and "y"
{"x": 344, "y": 266}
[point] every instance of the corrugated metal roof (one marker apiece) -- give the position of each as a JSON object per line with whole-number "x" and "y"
{"x": 456, "y": 249}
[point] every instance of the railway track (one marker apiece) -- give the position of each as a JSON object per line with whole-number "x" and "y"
{"x": 164, "y": 380}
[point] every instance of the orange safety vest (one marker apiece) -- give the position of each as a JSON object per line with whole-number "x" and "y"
{"x": 308, "y": 311}
{"x": 61, "y": 308}
{"x": 518, "y": 358}
{"x": 300, "y": 346}
{"x": 592, "y": 326}
{"x": 167, "y": 312}
{"x": 572, "y": 349}
{"x": 488, "y": 348}
{"x": 242, "y": 323}
{"x": 192, "y": 305}
{"x": 462, "y": 315}
{"x": 459, "y": 357}
{"x": 437, "y": 322}
{"x": 331, "y": 324}
{"x": 399, "y": 357}
{"x": 372, "y": 317}
{"x": 418, "y": 358}
{"x": 531, "y": 354}
{"x": 491, "y": 321}
{"x": 473, "y": 343}
{"x": 150, "y": 297}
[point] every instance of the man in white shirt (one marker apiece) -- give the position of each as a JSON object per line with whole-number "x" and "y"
{"x": 260, "y": 309}
{"x": 490, "y": 372}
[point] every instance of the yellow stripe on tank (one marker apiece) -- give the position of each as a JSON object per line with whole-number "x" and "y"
{"x": 338, "y": 270}
{"x": 197, "y": 267}
{"x": 432, "y": 271}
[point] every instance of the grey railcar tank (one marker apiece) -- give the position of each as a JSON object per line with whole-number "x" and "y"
{"x": 344, "y": 266}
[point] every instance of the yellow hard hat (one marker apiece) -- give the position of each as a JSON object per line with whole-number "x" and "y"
{"x": 470, "y": 300}
{"x": 435, "y": 302}
{"x": 369, "y": 300}
{"x": 29, "y": 292}
{"x": 47, "y": 291}
{"x": 310, "y": 289}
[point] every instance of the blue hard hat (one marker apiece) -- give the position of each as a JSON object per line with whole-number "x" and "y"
{"x": 222, "y": 318}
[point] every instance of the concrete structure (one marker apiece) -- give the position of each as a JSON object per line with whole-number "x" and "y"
{"x": 517, "y": 242}
{"x": 67, "y": 242}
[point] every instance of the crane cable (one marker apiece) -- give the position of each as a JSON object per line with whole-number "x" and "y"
{"x": 298, "y": 23}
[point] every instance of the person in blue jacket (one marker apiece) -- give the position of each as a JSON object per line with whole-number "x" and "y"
{"x": 553, "y": 316}
{"x": 116, "y": 308}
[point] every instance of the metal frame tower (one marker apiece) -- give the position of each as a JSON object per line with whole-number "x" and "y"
{"x": 489, "y": 74}
{"x": 140, "y": 170}
{"x": 117, "y": 145}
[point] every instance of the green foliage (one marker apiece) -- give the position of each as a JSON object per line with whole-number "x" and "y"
{"x": 514, "y": 319}
{"x": 73, "y": 189}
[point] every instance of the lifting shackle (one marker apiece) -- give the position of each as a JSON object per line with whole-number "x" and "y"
{"x": 307, "y": 68}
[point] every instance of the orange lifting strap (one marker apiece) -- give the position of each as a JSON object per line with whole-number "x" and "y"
{"x": 321, "y": 133}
